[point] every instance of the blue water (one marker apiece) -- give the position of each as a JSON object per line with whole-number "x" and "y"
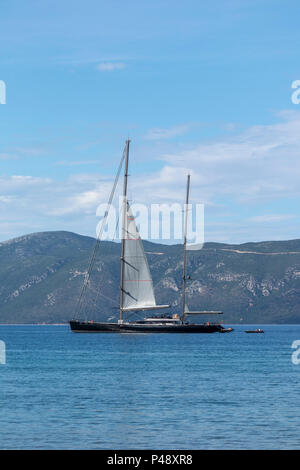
{"x": 61, "y": 390}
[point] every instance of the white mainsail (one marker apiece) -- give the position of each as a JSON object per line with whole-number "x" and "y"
{"x": 138, "y": 292}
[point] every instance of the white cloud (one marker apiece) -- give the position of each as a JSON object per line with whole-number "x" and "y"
{"x": 110, "y": 66}
{"x": 248, "y": 173}
{"x": 271, "y": 218}
{"x": 262, "y": 162}
{"x": 8, "y": 156}
{"x": 18, "y": 152}
{"x": 167, "y": 133}
{"x": 29, "y": 203}
{"x": 238, "y": 178}
{"x": 77, "y": 162}
{"x": 30, "y": 151}
{"x": 6, "y": 199}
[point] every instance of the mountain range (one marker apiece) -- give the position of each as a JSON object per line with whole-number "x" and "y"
{"x": 41, "y": 277}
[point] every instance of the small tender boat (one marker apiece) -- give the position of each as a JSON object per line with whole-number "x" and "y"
{"x": 258, "y": 330}
{"x": 226, "y": 330}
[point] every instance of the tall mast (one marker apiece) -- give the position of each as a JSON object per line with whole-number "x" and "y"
{"x": 184, "y": 247}
{"x": 123, "y": 234}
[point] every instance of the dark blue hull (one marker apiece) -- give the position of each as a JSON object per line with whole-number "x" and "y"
{"x": 97, "y": 327}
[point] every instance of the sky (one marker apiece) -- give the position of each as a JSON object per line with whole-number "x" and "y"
{"x": 199, "y": 87}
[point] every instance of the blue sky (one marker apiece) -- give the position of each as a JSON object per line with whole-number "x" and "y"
{"x": 198, "y": 86}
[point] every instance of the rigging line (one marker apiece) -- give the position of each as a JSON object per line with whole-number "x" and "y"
{"x": 117, "y": 224}
{"x": 98, "y": 290}
{"x": 92, "y": 260}
{"x": 88, "y": 273}
{"x": 95, "y": 300}
{"x": 98, "y": 293}
{"x": 133, "y": 314}
{"x": 96, "y": 306}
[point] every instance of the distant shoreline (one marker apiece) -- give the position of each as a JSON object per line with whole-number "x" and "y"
{"x": 67, "y": 324}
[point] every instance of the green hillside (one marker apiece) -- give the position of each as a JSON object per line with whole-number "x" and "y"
{"x": 41, "y": 276}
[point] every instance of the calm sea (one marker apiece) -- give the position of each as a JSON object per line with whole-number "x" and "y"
{"x": 61, "y": 390}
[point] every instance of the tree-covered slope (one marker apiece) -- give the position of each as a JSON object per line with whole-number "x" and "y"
{"x": 41, "y": 276}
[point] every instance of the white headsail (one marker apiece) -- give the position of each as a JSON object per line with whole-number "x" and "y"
{"x": 138, "y": 292}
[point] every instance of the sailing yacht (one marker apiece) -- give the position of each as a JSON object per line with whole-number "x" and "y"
{"x": 136, "y": 286}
